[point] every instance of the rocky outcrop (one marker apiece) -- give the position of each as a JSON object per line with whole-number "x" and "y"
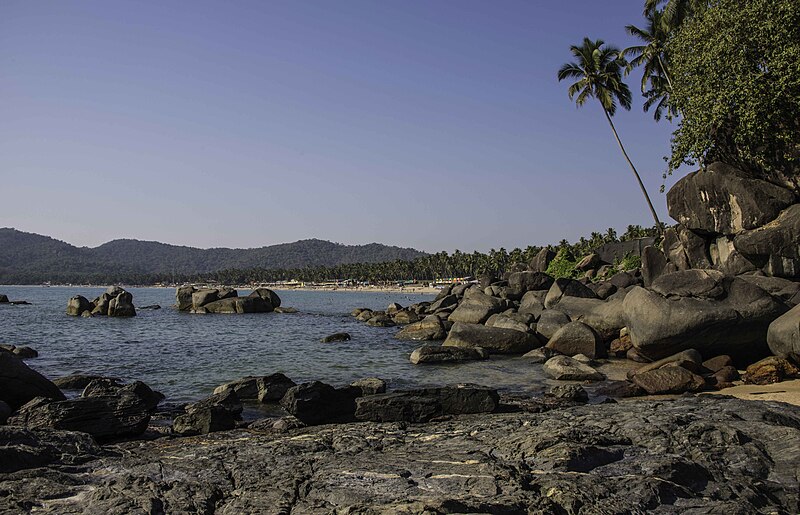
{"x": 225, "y": 300}
{"x": 110, "y": 387}
{"x": 319, "y": 403}
{"x": 704, "y": 455}
{"x": 220, "y": 412}
{"x": 495, "y": 341}
{"x": 774, "y": 245}
{"x": 425, "y": 404}
{"x": 108, "y": 417}
{"x": 20, "y": 384}
{"x": 114, "y": 302}
{"x": 442, "y": 354}
{"x": 726, "y": 317}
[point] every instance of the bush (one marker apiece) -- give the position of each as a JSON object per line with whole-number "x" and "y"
{"x": 563, "y": 265}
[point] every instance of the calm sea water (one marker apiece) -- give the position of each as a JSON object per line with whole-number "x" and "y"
{"x": 185, "y": 356}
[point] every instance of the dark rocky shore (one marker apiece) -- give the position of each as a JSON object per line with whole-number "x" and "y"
{"x": 687, "y": 455}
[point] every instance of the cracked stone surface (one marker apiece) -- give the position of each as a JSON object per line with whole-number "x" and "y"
{"x": 687, "y": 455}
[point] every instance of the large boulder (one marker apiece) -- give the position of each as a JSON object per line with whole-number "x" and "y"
{"x": 661, "y": 324}
{"x": 542, "y": 260}
{"x": 783, "y": 335}
{"x": 670, "y": 379}
{"x": 550, "y": 322}
{"x": 723, "y": 200}
{"x": 446, "y": 302}
{"x": 429, "y": 328}
{"x": 565, "y": 287}
{"x": 77, "y": 305}
{"x": 442, "y": 354}
{"x": 183, "y": 297}
{"x": 220, "y": 412}
{"x": 239, "y": 305}
{"x": 496, "y": 341}
{"x": 606, "y": 317}
{"x": 425, "y": 404}
{"x": 476, "y": 308}
{"x": 577, "y": 338}
{"x": 121, "y": 305}
{"x": 205, "y": 296}
{"x": 20, "y": 384}
{"x": 774, "y": 245}
{"x": 105, "y": 387}
{"x": 268, "y": 295}
{"x": 533, "y": 303}
{"x": 564, "y": 368}
{"x": 269, "y": 388}
{"x": 108, "y": 417}
{"x": 521, "y": 282}
{"x": 319, "y": 403}
{"x": 654, "y": 265}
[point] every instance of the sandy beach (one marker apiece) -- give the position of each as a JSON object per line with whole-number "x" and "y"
{"x": 786, "y": 391}
{"x": 422, "y": 290}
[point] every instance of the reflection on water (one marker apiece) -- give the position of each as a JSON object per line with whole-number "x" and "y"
{"x": 185, "y": 356}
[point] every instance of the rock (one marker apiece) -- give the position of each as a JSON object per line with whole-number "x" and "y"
{"x": 227, "y": 293}
{"x": 269, "y": 296}
{"x": 774, "y": 244}
{"x": 669, "y": 380}
{"x": 540, "y": 355}
{"x": 590, "y": 262}
{"x": 701, "y": 284}
{"x": 336, "y": 337}
{"x": 685, "y": 455}
{"x": 121, "y": 305}
{"x": 516, "y": 322}
{"x": 20, "y": 384}
{"x": 270, "y": 388}
{"x": 286, "y": 310}
{"x": 620, "y": 347}
{"x": 101, "y": 304}
{"x": 22, "y": 352}
{"x": 776, "y": 286}
{"x": 619, "y": 390}
{"x": 183, "y": 297}
{"x": 446, "y": 302}
{"x": 533, "y": 303}
{"x": 202, "y": 297}
{"x": 569, "y": 392}
{"x": 77, "y": 381}
{"x": 441, "y": 354}
{"x": 110, "y": 387}
{"x": 430, "y": 328}
{"x": 725, "y": 377}
{"x": 445, "y": 291}
{"x": 735, "y": 325}
{"x": 654, "y": 265}
{"x": 231, "y": 305}
{"x": 564, "y": 368}
{"x": 603, "y": 290}
{"x": 358, "y": 311}
{"x": 717, "y": 363}
{"x": 424, "y": 404}
{"x": 77, "y": 305}
{"x": 550, "y": 322}
{"x": 405, "y": 317}
{"x": 25, "y": 449}
{"x": 151, "y": 307}
{"x": 496, "y": 341}
{"x": 633, "y": 355}
{"x": 319, "y": 403}
{"x": 277, "y": 425}
{"x": 381, "y": 320}
{"x": 542, "y": 260}
{"x": 370, "y": 385}
{"x": 3, "y": 299}
{"x": 770, "y": 370}
{"x": 577, "y": 338}
{"x": 5, "y": 412}
{"x": 220, "y": 412}
{"x": 624, "y": 280}
{"x": 783, "y": 335}
{"x": 606, "y": 317}
{"x": 689, "y": 359}
{"x": 109, "y": 417}
{"x": 722, "y": 200}
{"x": 566, "y": 288}
{"x": 522, "y": 282}
{"x": 393, "y": 308}
{"x": 476, "y": 309}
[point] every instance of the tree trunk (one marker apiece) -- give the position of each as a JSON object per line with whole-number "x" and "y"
{"x": 635, "y": 173}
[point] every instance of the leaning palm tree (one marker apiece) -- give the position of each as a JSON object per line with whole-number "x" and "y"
{"x": 598, "y": 71}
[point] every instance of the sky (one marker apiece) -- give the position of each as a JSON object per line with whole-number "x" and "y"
{"x": 432, "y": 124}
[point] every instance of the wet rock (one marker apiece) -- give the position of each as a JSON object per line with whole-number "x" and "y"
{"x": 570, "y": 392}
{"x": 370, "y": 385}
{"x": 319, "y": 403}
{"x": 77, "y": 381}
{"x": 424, "y": 404}
{"x": 577, "y": 338}
{"x": 109, "y": 387}
{"x": 20, "y": 384}
{"x": 239, "y": 305}
{"x": 269, "y": 388}
{"x": 564, "y": 368}
{"x": 496, "y": 341}
{"x": 770, "y": 370}
{"x": 429, "y": 328}
{"x": 669, "y": 380}
{"x": 336, "y": 337}
{"x": 286, "y": 310}
{"x": 442, "y": 354}
{"x": 22, "y": 352}
{"x": 109, "y": 417}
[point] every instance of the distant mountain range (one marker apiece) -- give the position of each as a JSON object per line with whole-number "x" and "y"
{"x": 27, "y": 258}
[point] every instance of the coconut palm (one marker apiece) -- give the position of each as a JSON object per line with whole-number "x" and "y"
{"x": 675, "y": 12}
{"x": 598, "y": 71}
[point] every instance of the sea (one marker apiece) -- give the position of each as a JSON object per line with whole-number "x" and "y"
{"x": 185, "y": 356}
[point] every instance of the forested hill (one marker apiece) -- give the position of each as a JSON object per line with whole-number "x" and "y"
{"x": 27, "y": 258}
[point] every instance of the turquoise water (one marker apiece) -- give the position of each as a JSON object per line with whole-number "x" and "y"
{"x": 185, "y": 356}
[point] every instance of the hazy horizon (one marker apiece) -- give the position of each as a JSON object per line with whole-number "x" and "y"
{"x": 436, "y": 126}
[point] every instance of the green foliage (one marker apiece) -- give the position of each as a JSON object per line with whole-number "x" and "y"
{"x": 563, "y": 265}
{"x": 736, "y": 82}
{"x": 628, "y": 262}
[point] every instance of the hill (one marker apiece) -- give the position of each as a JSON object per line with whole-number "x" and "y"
{"x": 27, "y": 258}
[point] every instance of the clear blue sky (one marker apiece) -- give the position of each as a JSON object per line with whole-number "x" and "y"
{"x": 432, "y": 124}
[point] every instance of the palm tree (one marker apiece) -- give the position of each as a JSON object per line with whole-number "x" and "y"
{"x": 675, "y": 12}
{"x": 598, "y": 71}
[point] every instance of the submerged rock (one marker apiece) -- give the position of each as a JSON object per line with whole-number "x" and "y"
{"x": 336, "y": 337}
{"x": 448, "y": 354}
